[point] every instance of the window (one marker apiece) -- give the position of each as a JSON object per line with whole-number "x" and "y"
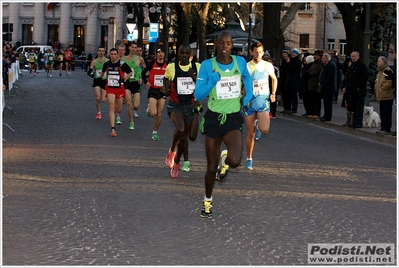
{"x": 307, "y": 6}
{"x": 330, "y": 44}
{"x": 304, "y": 40}
{"x": 342, "y": 47}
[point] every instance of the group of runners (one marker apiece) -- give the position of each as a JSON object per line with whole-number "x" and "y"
{"x": 51, "y": 59}
{"x": 236, "y": 92}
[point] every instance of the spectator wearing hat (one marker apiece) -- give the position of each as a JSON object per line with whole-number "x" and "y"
{"x": 313, "y": 73}
{"x": 290, "y": 78}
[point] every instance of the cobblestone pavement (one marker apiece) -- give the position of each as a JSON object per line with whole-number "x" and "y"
{"x": 75, "y": 196}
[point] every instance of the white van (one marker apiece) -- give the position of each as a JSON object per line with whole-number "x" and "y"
{"x": 27, "y": 49}
{"x": 41, "y": 48}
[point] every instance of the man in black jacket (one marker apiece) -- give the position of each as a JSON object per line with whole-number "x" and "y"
{"x": 290, "y": 77}
{"x": 355, "y": 84}
{"x": 327, "y": 85}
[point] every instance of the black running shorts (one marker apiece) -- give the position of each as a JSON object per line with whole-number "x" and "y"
{"x": 155, "y": 93}
{"x": 133, "y": 86}
{"x": 212, "y": 127}
{"x": 99, "y": 82}
{"x": 187, "y": 110}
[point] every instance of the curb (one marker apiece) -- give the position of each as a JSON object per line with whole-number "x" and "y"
{"x": 362, "y": 132}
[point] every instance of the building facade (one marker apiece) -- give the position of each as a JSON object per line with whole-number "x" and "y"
{"x": 317, "y": 26}
{"x": 88, "y": 25}
{"x": 84, "y": 25}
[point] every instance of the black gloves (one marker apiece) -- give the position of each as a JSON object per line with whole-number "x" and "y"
{"x": 89, "y": 73}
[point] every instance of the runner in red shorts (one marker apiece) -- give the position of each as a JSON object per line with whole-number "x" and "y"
{"x": 117, "y": 73}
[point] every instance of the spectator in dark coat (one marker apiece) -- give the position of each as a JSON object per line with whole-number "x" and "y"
{"x": 340, "y": 71}
{"x": 313, "y": 82}
{"x": 355, "y": 85}
{"x": 291, "y": 74}
{"x": 327, "y": 85}
{"x": 305, "y": 84}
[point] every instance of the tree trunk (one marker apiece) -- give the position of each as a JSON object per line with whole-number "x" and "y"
{"x": 354, "y": 29}
{"x": 139, "y": 14}
{"x": 203, "y": 15}
{"x": 272, "y": 35}
{"x": 165, "y": 30}
{"x": 183, "y": 22}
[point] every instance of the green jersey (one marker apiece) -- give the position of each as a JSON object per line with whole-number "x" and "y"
{"x": 136, "y": 70}
{"x": 225, "y": 97}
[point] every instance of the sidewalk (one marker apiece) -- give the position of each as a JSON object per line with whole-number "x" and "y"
{"x": 339, "y": 117}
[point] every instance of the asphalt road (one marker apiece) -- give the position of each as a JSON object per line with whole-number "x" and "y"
{"x": 76, "y": 196}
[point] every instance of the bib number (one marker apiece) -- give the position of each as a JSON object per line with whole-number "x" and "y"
{"x": 228, "y": 87}
{"x": 185, "y": 85}
{"x": 260, "y": 87}
{"x": 158, "y": 80}
{"x": 113, "y": 79}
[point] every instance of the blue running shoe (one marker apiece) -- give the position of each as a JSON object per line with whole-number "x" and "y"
{"x": 258, "y": 134}
{"x": 249, "y": 164}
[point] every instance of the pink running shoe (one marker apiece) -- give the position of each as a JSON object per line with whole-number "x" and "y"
{"x": 174, "y": 172}
{"x": 98, "y": 116}
{"x": 170, "y": 159}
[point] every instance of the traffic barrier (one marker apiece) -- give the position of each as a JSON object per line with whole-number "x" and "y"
{"x": 5, "y": 106}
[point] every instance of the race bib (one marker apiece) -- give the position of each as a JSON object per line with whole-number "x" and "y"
{"x": 261, "y": 86}
{"x": 228, "y": 87}
{"x": 158, "y": 80}
{"x": 185, "y": 85}
{"x": 113, "y": 79}
{"x": 50, "y": 58}
{"x": 98, "y": 73}
{"x": 132, "y": 73}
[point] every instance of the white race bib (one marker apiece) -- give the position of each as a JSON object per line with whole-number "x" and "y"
{"x": 261, "y": 86}
{"x": 113, "y": 79}
{"x": 158, "y": 80}
{"x": 228, "y": 87}
{"x": 185, "y": 85}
